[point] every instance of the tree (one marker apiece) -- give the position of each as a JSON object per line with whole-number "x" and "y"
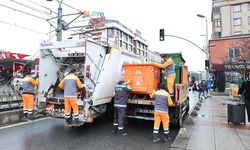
{"x": 244, "y": 54}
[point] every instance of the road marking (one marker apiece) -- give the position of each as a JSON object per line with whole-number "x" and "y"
{"x": 23, "y": 123}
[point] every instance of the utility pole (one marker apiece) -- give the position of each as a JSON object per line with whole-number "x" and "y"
{"x": 59, "y": 22}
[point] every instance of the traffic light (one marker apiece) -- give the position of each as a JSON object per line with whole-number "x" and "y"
{"x": 161, "y": 34}
{"x": 207, "y": 64}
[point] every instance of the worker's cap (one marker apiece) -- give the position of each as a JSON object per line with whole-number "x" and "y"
{"x": 72, "y": 70}
{"x": 162, "y": 85}
{"x": 164, "y": 55}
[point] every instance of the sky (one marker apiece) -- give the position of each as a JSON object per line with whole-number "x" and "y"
{"x": 177, "y": 17}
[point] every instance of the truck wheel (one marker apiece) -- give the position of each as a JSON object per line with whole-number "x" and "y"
{"x": 179, "y": 119}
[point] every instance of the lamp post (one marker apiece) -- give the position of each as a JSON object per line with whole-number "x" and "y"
{"x": 206, "y": 42}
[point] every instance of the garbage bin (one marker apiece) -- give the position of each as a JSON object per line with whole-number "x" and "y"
{"x": 144, "y": 78}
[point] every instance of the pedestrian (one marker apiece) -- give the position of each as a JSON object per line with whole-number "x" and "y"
{"x": 194, "y": 88}
{"x": 245, "y": 88}
{"x": 28, "y": 95}
{"x": 70, "y": 85}
{"x": 169, "y": 68}
{"x": 202, "y": 88}
{"x": 120, "y": 105}
{"x": 161, "y": 112}
{"x": 208, "y": 87}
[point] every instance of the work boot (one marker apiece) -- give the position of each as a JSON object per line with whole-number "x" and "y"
{"x": 156, "y": 138}
{"x": 166, "y": 137}
{"x": 25, "y": 115}
{"x": 121, "y": 133}
{"x": 30, "y": 117}
{"x": 68, "y": 122}
{"x": 77, "y": 123}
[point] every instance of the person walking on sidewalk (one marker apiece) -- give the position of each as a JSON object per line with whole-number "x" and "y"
{"x": 169, "y": 68}
{"x": 120, "y": 105}
{"x": 245, "y": 88}
{"x": 202, "y": 89}
{"x": 208, "y": 87}
{"x": 28, "y": 96}
{"x": 162, "y": 102}
{"x": 70, "y": 84}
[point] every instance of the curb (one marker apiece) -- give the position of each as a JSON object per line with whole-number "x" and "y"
{"x": 11, "y": 116}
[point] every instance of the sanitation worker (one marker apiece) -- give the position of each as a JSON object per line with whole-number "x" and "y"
{"x": 70, "y": 84}
{"x": 162, "y": 102}
{"x": 28, "y": 96}
{"x": 169, "y": 69}
{"x": 120, "y": 105}
{"x": 245, "y": 88}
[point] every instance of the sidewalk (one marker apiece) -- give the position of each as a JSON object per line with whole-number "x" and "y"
{"x": 211, "y": 130}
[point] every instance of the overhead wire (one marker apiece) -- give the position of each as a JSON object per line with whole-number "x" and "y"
{"x": 41, "y": 6}
{"x": 25, "y": 28}
{"x": 26, "y": 13}
{"x": 23, "y": 12}
{"x": 32, "y": 8}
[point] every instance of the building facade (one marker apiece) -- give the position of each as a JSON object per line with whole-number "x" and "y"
{"x": 230, "y": 18}
{"x": 116, "y": 34}
{"x": 230, "y": 39}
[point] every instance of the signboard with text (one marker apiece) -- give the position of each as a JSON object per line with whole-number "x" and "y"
{"x": 229, "y": 67}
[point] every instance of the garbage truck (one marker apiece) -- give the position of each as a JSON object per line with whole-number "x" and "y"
{"x": 144, "y": 78}
{"x": 98, "y": 65}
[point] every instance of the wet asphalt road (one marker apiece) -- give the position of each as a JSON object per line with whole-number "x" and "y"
{"x": 51, "y": 134}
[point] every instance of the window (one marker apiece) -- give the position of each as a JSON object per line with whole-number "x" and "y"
{"x": 217, "y": 35}
{"x": 139, "y": 51}
{"x": 216, "y": 10}
{"x": 130, "y": 48}
{"x": 120, "y": 34}
{"x": 125, "y": 37}
{"x": 130, "y": 39}
{"x": 237, "y": 21}
{"x": 237, "y": 8}
{"x": 249, "y": 20}
{"x": 248, "y": 6}
{"x": 237, "y": 32}
{"x": 233, "y": 53}
{"x": 111, "y": 33}
{"x": 134, "y": 50}
{"x": 124, "y": 45}
{"x": 120, "y": 43}
{"x": 217, "y": 23}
